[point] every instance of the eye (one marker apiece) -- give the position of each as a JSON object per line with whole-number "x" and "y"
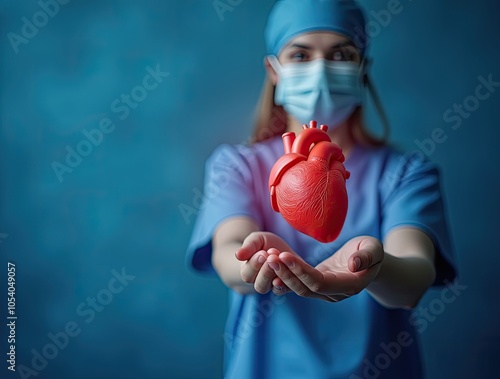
{"x": 338, "y": 56}
{"x": 347, "y": 54}
{"x": 298, "y": 56}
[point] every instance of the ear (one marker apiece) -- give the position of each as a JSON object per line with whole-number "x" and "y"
{"x": 273, "y": 76}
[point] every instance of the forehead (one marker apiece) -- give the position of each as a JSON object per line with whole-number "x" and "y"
{"x": 320, "y": 40}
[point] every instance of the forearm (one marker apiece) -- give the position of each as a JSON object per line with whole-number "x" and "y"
{"x": 227, "y": 240}
{"x": 401, "y": 282}
{"x": 229, "y": 268}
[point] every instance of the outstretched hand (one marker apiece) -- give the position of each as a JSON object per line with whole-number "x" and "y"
{"x": 344, "y": 274}
{"x": 270, "y": 263}
{"x": 255, "y": 251}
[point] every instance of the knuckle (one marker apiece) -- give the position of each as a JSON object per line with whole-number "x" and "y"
{"x": 302, "y": 276}
{"x": 302, "y": 292}
{"x": 253, "y": 265}
{"x": 252, "y": 235}
{"x": 315, "y": 287}
{"x": 269, "y": 275}
{"x": 369, "y": 260}
{"x": 287, "y": 277}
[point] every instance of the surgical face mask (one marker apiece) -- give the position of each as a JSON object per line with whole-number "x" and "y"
{"x": 320, "y": 90}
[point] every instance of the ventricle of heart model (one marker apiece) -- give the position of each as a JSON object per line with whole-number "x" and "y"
{"x": 308, "y": 183}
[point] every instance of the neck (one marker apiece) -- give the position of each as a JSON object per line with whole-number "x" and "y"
{"x": 339, "y": 135}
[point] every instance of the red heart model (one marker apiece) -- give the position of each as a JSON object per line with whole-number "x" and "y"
{"x": 307, "y": 184}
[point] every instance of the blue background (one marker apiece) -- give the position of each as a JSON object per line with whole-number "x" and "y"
{"x": 120, "y": 207}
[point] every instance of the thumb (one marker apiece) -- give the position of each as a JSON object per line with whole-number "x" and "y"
{"x": 252, "y": 244}
{"x": 363, "y": 260}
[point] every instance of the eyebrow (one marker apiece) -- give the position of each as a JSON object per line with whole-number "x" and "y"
{"x": 336, "y": 46}
{"x": 343, "y": 44}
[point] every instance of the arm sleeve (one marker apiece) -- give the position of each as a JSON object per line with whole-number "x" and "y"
{"x": 412, "y": 197}
{"x": 227, "y": 193}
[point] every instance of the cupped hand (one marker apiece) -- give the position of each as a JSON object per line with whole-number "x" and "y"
{"x": 344, "y": 274}
{"x": 256, "y": 249}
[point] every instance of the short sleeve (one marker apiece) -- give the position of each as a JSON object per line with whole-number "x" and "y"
{"x": 227, "y": 192}
{"x": 411, "y": 195}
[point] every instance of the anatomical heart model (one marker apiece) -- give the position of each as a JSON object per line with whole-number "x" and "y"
{"x": 307, "y": 184}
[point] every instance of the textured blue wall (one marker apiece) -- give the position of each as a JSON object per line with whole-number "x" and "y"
{"x": 73, "y": 227}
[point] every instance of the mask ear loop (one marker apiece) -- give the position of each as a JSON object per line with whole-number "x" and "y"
{"x": 275, "y": 63}
{"x": 376, "y": 99}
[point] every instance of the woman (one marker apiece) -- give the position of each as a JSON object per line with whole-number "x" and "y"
{"x": 300, "y": 308}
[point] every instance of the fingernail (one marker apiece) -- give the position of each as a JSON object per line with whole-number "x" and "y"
{"x": 274, "y": 265}
{"x": 357, "y": 263}
{"x": 261, "y": 259}
{"x": 288, "y": 262}
{"x": 278, "y": 288}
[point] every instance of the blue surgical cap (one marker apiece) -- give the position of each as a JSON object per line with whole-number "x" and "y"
{"x": 289, "y": 18}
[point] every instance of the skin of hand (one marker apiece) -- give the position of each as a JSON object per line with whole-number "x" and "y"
{"x": 344, "y": 274}
{"x": 396, "y": 273}
{"x": 255, "y": 252}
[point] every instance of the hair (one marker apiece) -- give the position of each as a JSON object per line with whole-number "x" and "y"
{"x": 271, "y": 121}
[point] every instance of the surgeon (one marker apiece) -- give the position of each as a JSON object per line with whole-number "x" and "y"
{"x": 300, "y": 308}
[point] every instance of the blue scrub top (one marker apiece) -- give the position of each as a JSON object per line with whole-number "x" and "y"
{"x": 267, "y": 336}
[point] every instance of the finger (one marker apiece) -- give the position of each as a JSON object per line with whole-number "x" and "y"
{"x": 263, "y": 281}
{"x": 273, "y": 251}
{"x": 253, "y": 243}
{"x": 251, "y": 268}
{"x": 312, "y": 278}
{"x": 324, "y": 282}
{"x": 280, "y": 288}
{"x": 370, "y": 243}
{"x": 294, "y": 283}
{"x": 360, "y": 243}
{"x": 364, "y": 259}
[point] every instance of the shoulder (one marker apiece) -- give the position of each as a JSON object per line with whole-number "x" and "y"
{"x": 388, "y": 156}
{"x": 405, "y": 167}
{"x": 392, "y": 167}
{"x": 408, "y": 174}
